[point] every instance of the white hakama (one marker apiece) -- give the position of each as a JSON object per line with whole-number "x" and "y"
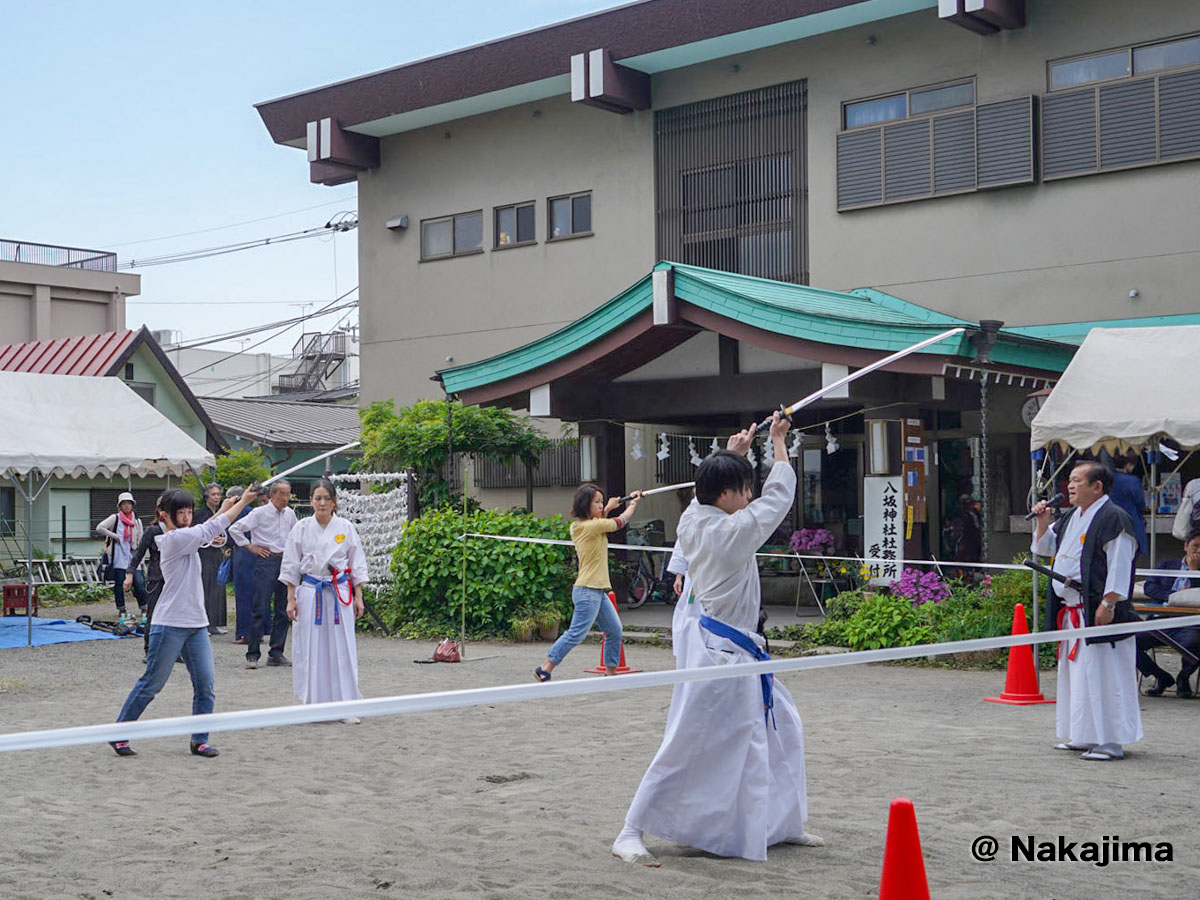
{"x": 1097, "y": 693}
{"x": 726, "y": 779}
{"x": 324, "y": 651}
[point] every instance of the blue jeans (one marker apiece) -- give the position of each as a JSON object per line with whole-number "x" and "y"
{"x": 591, "y": 605}
{"x": 166, "y": 644}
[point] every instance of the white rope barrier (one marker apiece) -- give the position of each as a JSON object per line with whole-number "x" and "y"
{"x": 439, "y": 700}
{"x": 1161, "y": 573}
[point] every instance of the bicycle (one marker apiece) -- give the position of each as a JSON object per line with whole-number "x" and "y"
{"x": 645, "y": 578}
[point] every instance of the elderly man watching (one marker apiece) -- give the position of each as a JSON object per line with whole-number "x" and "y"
{"x": 1094, "y": 546}
{"x": 270, "y": 524}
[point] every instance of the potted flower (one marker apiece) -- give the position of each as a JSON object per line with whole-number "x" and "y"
{"x": 813, "y": 541}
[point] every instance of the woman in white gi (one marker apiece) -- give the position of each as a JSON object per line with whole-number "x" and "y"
{"x": 729, "y": 776}
{"x": 324, "y": 568}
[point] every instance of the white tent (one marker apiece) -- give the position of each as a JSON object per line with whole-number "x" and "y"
{"x": 1125, "y": 387}
{"x": 67, "y": 425}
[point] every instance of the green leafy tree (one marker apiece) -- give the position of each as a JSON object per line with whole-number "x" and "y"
{"x": 421, "y": 436}
{"x": 237, "y": 467}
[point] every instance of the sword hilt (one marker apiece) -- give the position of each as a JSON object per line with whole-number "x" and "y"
{"x": 766, "y": 423}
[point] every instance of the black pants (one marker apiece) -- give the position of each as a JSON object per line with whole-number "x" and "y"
{"x": 214, "y": 591}
{"x": 1186, "y": 637}
{"x": 269, "y": 592}
{"x": 139, "y": 588}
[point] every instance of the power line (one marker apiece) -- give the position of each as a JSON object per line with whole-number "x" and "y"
{"x": 330, "y": 307}
{"x": 233, "y": 335}
{"x": 167, "y": 237}
{"x": 208, "y": 252}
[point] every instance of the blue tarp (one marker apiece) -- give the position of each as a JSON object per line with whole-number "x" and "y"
{"x": 14, "y": 632}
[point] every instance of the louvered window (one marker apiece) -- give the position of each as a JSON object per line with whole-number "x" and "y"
{"x": 1120, "y": 125}
{"x": 730, "y": 183}
{"x": 954, "y": 152}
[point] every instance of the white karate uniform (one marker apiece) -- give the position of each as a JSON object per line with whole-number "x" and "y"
{"x": 325, "y": 656}
{"x": 1097, "y": 691}
{"x": 726, "y": 780}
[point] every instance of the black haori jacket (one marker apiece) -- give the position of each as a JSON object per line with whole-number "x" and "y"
{"x": 1110, "y": 520}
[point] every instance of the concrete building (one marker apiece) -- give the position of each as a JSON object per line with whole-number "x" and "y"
{"x": 49, "y": 292}
{"x": 995, "y": 159}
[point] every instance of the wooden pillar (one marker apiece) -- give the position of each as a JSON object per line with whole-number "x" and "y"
{"x": 610, "y": 455}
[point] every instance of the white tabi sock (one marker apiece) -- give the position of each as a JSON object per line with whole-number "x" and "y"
{"x": 629, "y": 848}
{"x": 807, "y": 839}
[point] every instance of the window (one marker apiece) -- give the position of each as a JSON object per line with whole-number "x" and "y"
{"x": 1092, "y": 68}
{"x": 515, "y": 225}
{"x": 129, "y": 371}
{"x": 145, "y": 390}
{"x": 570, "y": 215}
{"x": 730, "y": 183}
{"x": 452, "y": 235}
{"x": 1166, "y": 56}
{"x": 1126, "y": 62}
{"x": 915, "y": 102}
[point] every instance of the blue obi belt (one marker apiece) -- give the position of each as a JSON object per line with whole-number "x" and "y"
{"x": 745, "y": 642}
{"x": 320, "y": 585}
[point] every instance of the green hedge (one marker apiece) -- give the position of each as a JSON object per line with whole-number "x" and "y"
{"x": 505, "y": 579}
{"x": 971, "y": 611}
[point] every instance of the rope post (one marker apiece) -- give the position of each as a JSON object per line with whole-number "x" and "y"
{"x": 462, "y": 635}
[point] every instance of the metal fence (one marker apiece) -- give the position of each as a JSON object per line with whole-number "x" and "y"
{"x": 557, "y": 467}
{"x": 53, "y": 255}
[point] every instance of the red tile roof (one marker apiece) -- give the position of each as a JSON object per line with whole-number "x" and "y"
{"x": 89, "y": 354}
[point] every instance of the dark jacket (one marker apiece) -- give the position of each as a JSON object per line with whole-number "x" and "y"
{"x": 147, "y": 545}
{"x": 1109, "y": 522}
{"x": 1160, "y": 587}
{"x": 1127, "y": 493}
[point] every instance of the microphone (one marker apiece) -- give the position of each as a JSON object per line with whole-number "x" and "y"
{"x": 1053, "y": 501}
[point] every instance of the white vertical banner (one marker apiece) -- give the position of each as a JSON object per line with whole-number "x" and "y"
{"x": 883, "y": 526}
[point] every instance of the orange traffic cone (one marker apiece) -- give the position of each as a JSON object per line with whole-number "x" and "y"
{"x": 903, "y": 865}
{"x": 1021, "y": 684}
{"x": 622, "y": 669}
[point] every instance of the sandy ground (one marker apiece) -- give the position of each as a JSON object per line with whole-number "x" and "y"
{"x": 523, "y": 800}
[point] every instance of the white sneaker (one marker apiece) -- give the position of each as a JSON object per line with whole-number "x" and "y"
{"x": 352, "y": 720}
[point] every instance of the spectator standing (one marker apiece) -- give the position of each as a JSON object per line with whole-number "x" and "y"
{"x": 210, "y": 563}
{"x": 271, "y": 523}
{"x": 1127, "y": 493}
{"x": 122, "y": 532}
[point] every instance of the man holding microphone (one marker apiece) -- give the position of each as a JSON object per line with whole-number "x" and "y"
{"x": 1094, "y": 546}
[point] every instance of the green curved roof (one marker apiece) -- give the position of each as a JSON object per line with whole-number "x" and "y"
{"x": 863, "y": 318}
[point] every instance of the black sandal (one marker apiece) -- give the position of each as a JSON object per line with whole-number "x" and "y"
{"x": 203, "y": 750}
{"x": 122, "y": 748}
{"x": 541, "y": 674}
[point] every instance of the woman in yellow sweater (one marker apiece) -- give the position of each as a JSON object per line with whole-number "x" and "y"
{"x": 589, "y": 532}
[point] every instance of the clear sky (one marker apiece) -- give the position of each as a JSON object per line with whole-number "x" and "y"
{"x": 128, "y": 123}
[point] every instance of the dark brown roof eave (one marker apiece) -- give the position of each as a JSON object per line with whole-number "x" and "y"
{"x": 627, "y": 31}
